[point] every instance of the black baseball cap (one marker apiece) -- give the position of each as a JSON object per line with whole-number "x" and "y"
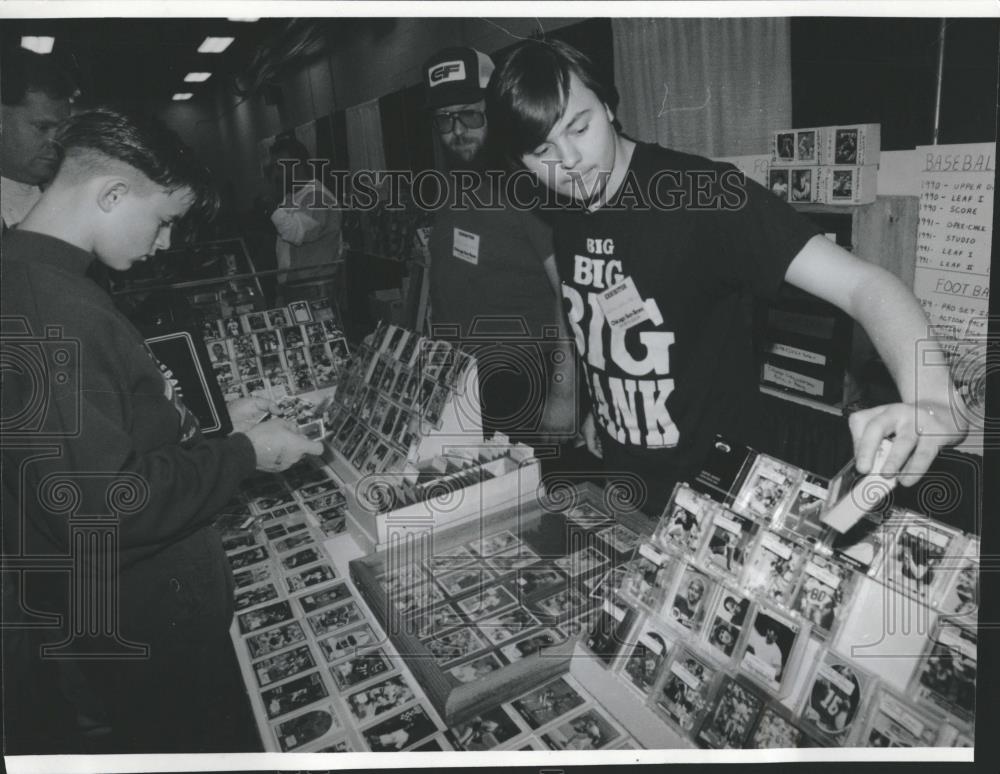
{"x": 456, "y": 76}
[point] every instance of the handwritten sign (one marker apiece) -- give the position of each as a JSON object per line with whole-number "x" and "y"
{"x": 954, "y": 240}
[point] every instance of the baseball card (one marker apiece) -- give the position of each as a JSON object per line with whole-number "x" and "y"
{"x": 281, "y": 666}
{"x": 732, "y": 718}
{"x": 540, "y": 706}
{"x": 294, "y": 733}
{"x": 268, "y": 642}
{"x": 294, "y": 695}
{"x": 359, "y": 669}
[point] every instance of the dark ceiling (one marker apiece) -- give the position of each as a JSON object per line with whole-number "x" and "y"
{"x": 144, "y": 61}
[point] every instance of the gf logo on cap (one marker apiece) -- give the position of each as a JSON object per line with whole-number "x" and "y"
{"x": 447, "y": 71}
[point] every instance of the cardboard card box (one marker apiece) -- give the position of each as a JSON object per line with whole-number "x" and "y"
{"x": 847, "y": 185}
{"x": 852, "y": 145}
{"x": 796, "y": 146}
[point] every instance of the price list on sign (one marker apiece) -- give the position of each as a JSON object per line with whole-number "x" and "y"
{"x": 952, "y": 277}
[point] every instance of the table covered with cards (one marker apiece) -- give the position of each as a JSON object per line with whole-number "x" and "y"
{"x": 734, "y": 619}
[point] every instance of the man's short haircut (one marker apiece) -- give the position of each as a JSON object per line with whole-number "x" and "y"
{"x": 528, "y": 92}
{"x": 22, "y": 71}
{"x": 97, "y": 136}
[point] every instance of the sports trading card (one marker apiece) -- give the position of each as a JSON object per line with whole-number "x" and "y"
{"x": 224, "y": 375}
{"x": 568, "y": 602}
{"x": 254, "y": 321}
{"x": 263, "y": 617}
{"x": 609, "y": 631}
{"x": 280, "y": 666}
{"x": 301, "y": 558}
{"x": 292, "y": 526}
{"x": 681, "y": 526}
{"x": 620, "y": 538}
{"x": 834, "y": 698}
{"x": 257, "y": 595}
{"x": 324, "y": 597}
{"x": 947, "y": 675}
{"x": 435, "y": 407}
{"x": 642, "y": 665}
{"x": 293, "y": 339}
{"x": 238, "y": 541}
{"x": 326, "y": 486}
{"x": 277, "y": 318}
{"x": 313, "y": 429}
{"x": 211, "y": 329}
{"x": 455, "y": 645}
{"x": 252, "y": 576}
{"x": 862, "y": 545}
{"x": 243, "y": 347}
{"x": 270, "y": 501}
{"x": 432, "y": 621}
{"x": 331, "y": 619}
{"x": 892, "y": 723}
{"x": 729, "y": 724}
{"x": 512, "y": 560}
{"x": 447, "y": 559}
{"x": 542, "y": 705}
{"x": 690, "y": 596}
{"x": 295, "y": 541}
{"x": 314, "y": 332}
{"x": 248, "y": 368}
{"x": 232, "y": 326}
{"x": 344, "y": 644}
{"x": 275, "y": 375}
{"x": 364, "y": 450}
{"x": 255, "y": 386}
{"x": 275, "y": 531}
{"x": 410, "y": 600}
{"x": 490, "y": 601}
{"x": 774, "y": 732}
{"x": 774, "y": 568}
{"x": 497, "y": 543}
{"x": 402, "y": 577}
{"x": 247, "y": 558}
{"x": 683, "y": 696}
{"x": 268, "y": 642}
{"x": 300, "y": 311}
{"x": 507, "y": 625}
{"x": 913, "y": 565}
{"x": 323, "y": 365}
{"x": 584, "y": 561}
{"x": 729, "y": 538}
{"x": 538, "y": 577}
{"x": 377, "y": 460}
{"x": 960, "y": 598}
{"x": 300, "y": 730}
{"x": 400, "y": 731}
{"x": 777, "y": 181}
{"x": 822, "y": 592}
{"x": 769, "y": 645}
{"x": 268, "y": 343}
{"x": 475, "y": 669}
{"x": 725, "y": 622}
{"x": 359, "y": 669}
{"x": 333, "y": 521}
{"x": 590, "y": 730}
{"x": 458, "y": 582}
{"x": 219, "y": 352}
{"x": 647, "y": 578}
{"x": 767, "y": 488}
{"x": 530, "y": 645}
{"x": 387, "y": 696}
{"x": 587, "y": 515}
{"x": 485, "y": 731}
{"x": 805, "y": 508}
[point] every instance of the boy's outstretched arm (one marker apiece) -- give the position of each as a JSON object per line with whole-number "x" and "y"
{"x": 931, "y": 415}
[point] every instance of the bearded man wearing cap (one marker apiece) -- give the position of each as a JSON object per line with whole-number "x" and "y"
{"x": 487, "y": 282}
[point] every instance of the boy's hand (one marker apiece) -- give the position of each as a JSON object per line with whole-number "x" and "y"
{"x": 278, "y": 446}
{"x": 246, "y": 412}
{"x": 919, "y": 431}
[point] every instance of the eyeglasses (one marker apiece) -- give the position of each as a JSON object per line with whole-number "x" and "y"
{"x": 470, "y": 119}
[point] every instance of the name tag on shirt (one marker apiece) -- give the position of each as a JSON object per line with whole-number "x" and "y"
{"x": 465, "y": 245}
{"x": 623, "y": 307}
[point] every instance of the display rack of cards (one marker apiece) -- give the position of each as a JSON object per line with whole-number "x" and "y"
{"x": 484, "y": 610}
{"x": 293, "y": 350}
{"x": 405, "y": 435}
{"x": 752, "y": 624}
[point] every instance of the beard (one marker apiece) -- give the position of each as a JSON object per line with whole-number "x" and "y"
{"x": 468, "y": 154}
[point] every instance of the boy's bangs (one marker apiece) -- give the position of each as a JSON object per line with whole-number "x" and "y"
{"x": 537, "y": 107}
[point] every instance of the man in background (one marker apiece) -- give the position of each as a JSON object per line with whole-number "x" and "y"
{"x": 36, "y": 93}
{"x": 487, "y": 283}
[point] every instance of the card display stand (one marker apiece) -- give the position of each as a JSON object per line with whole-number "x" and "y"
{"x": 405, "y": 436}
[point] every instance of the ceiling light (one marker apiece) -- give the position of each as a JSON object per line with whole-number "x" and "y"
{"x": 197, "y": 77}
{"x": 182, "y": 95}
{"x": 237, "y": 19}
{"x": 212, "y": 45}
{"x": 38, "y": 44}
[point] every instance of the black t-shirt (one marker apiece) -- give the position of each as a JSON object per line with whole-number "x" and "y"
{"x": 699, "y": 242}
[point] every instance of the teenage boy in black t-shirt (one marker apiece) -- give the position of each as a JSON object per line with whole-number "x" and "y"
{"x": 657, "y": 259}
